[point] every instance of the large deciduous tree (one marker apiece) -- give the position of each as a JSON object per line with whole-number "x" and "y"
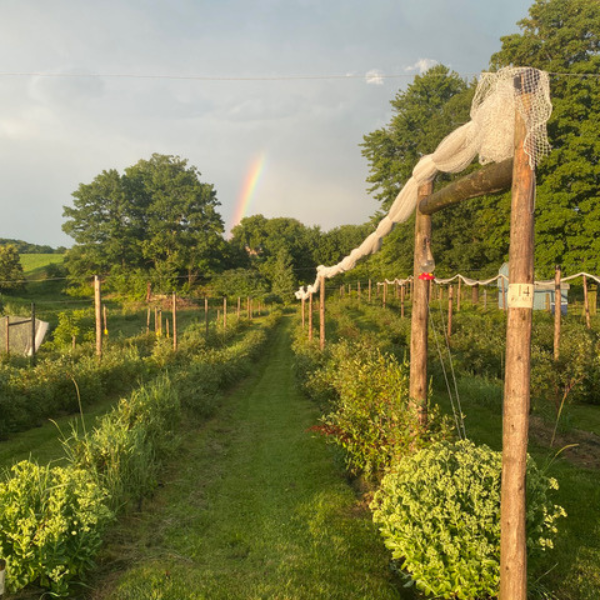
{"x": 157, "y": 216}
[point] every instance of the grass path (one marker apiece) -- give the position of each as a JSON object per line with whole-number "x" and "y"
{"x": 254, "y": 508}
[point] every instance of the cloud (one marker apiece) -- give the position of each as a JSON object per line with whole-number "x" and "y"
{"x": 374, "y": 77}
{"x": 422, "y": 65}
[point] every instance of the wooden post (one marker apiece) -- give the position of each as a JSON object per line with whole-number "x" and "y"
{"x": 548, "y": 308}
{"x": 402, "y": 300}
{"x": 358, "y": 293}
{"x": 7, "y": 335}
{"x": 167, "y": 327}
{"x": 98, "y": 313}
{"x": 105, "y": 319}
{"x": 515, "y": 426}
{"x": 557, "y": 311}
{"x": 450, "y": 302}
{"x": 303, "y": 311}
{"x": 586, "y": 303}
{"x": 148, "y": 321}
{"x": 248, "y": 315}
{"x": 174, "y": 322}
{"x": 206, "y": 315}
{"x": 32, "y": 334}
{"x": 310, "y": 317}
{"x": 369, "y": 296}
{"x": 420, "y": 313}
{"x": 160, "y": 322}
{"x": 322, "y": 315}
{"x": 384, "y": 294}
{"x": 239, "y": 308}
{"x": 475, "y": 295}
{"x": 224, "y": 312}
{"x": 458, "y": 294}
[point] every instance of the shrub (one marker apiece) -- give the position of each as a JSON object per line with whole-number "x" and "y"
{"x": 372, "y": 418}
{"x": 439, "y": 514}
{"x": 51, "y": 524}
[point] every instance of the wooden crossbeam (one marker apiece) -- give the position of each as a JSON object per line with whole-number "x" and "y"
{"x": 490, "y": 179}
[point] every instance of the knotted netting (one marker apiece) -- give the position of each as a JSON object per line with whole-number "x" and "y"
{"x": 489, "y": 134}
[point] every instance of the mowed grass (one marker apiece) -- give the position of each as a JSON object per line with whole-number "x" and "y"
{"x": 35, "y": 263}
{"x": 255, "y": 507}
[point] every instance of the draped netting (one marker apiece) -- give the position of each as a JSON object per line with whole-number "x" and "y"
{"x": 489, "y": 134}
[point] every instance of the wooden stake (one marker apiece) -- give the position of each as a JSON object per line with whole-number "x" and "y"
{"x": 420, "y": 313}
{"x": 475, "y": 295}
{"x": 322, "y": 314}
{"x": 310, "y": 317}
{"x": 239, "y": 308}
{"x": 206, "y": 315}
{"x": 98, "y": 313}
{"x": 33, "y": 334}
{"x": 586, "y": 304}
{"x": 167, "y": 327}
{"x": 303, "y": 312}
{"x": 513, "y": 548}
{"x": 450, "y": 302}
{"x": 369, "y": 296}
{"x": 174, "y": 322}
{"x": 105, "y": 319}
{"x": 224, "y": 312}
{"x": 557, "y": 311}
{"x": 148, "y": 321}
{"x": 384, "y": 294}
{"x": 402, "y": 300}
{"x": 7, "y": 335}
{"x": 458, "y": 294}
{"x": 155, "y": 320}
{"x": 358, "y": 293}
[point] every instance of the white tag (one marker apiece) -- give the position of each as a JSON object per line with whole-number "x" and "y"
{"x": 520, "y": 295}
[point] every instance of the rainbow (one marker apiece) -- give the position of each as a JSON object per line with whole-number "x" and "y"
{"x": 250, "y": 184}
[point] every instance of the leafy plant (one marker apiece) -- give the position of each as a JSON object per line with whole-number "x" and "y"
{"x": 439, "y": 514}
{"x": 51, "y": 524}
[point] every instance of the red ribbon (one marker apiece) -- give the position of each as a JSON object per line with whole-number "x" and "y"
{"x": 426, "y": 276}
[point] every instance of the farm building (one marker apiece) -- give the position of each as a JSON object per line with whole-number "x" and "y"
{"x": 543, "y": 292}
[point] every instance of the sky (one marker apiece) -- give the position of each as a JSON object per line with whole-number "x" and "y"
{"x": 269, "y": 99}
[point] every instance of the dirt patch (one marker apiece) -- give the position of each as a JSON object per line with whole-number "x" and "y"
{"x": 585, "y": 446}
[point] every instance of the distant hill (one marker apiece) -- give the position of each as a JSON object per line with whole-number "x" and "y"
{"x": 27, "y": 248}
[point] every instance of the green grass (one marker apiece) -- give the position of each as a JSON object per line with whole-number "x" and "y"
{"x": 257, "y": 509}
{"x": 34, "y": 264}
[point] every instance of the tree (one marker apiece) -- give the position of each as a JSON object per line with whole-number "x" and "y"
{"x": 283, "y": 282}
{"x": 563, "y": 38}
{"x": 261, "y": 240}
{"x": 11, "y": 271}
{"x": 241, "y": 283}
{"x": 157, "y": 216}
{"x": 337, "y": 243}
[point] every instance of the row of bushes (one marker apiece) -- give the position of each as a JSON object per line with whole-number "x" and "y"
{"x": 437, "y": 500}
{"x": 28, "y": 396}
{"x": 52, "y": 518}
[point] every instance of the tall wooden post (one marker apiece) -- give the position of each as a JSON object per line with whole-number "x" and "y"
{"x": 7, "y": 335}
{"x": 450, "y": 302}
{"x": 98, "y": 313}
{"x": 358, "y": 293}
{"x": 586, "y": 304}
{"x": 475, "y": 295}
{"x": 224, "y": 312}
{"x": 369, "y": 297}
{"x": 458, "y": 294}
{"x": 402, "y": 300}
{"x": 303, "y": 312}
{"x": 513, "y": 548}
{"x": 310, "y": 317}
{"x": 239, "y": 308}
{"x": 384, "y": 294}
{"x": 174, "y": 321}
{"x": 557, "y": 311}
{"x": 206, "y": 315}
{"x": 420, "y": 312}
{"x": 148, "y": 321}
{"x": 322, "y": 314}
{"x": 33, "y": 334}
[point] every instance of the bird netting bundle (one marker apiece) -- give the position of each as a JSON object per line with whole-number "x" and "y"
{"x": 489, "y": 134}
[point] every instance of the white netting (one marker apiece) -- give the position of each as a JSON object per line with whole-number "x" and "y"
{"x": 490, "y": 133}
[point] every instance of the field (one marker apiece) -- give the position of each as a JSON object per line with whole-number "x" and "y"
{"x": 263, "y": 505}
